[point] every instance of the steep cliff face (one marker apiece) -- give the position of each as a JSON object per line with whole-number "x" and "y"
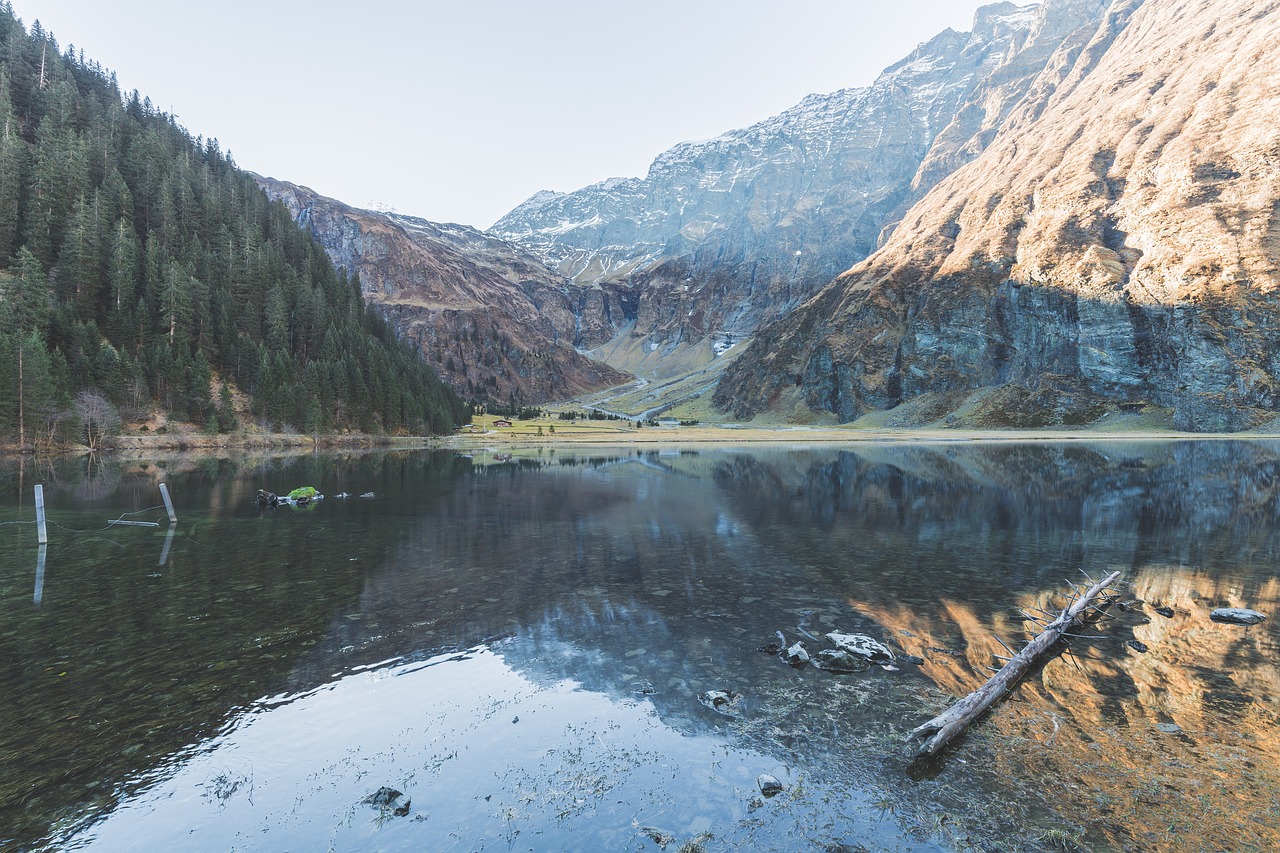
{"x": 491, "y": 319}
{"x": 724, "y": 235}
{"x": 1117, "y": 241}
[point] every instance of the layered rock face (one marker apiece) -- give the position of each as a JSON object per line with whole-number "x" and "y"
{"x": 493, "y": 321}
{"x": 1118, "y": 240}
{"x": 724, "y": 235}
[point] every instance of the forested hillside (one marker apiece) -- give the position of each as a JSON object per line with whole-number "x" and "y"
{"x": 140, "y": 268}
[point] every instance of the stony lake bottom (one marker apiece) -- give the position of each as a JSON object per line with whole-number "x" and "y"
{"x": 496, "y": 653}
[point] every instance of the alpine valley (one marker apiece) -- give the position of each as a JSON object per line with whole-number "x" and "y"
{"x": 1070, "y": 213}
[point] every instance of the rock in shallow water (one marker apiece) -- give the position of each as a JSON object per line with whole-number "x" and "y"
{"x": 386, "y": 798}
{"x": 383, "y": 797}
{"x": 1237, "y": 616}
{"x": 860, "y": 644}
{"x": 769, "y": 785}
{"x": 797, "y": 655}
{"x": 724, "y": 702}
{"x": 840, "y": 661}
{"x": 658, "y": 836}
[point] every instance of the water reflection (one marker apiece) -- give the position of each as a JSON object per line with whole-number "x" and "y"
{"x": 620, "y": 585}
{"x": 42, "y": 555}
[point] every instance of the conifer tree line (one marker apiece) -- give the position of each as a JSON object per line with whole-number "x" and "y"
{"x": 138, "y": 263}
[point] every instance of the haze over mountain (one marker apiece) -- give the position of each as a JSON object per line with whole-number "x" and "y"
{"x": 724, "y": 235}
{"x": 662, "y": 274}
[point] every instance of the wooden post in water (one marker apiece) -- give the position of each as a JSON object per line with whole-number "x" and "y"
{"x": 168, "y": 504}
{"x": 168, "y": 543}
{"x": 41, "y": 553}
{"x": 42, "y": 535}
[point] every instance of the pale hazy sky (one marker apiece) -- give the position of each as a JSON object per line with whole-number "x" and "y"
{"x": 459, "y": 111}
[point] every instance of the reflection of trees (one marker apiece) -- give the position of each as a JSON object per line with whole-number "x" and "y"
{"x": 101, "y": 478}
{"x": 159, "y": 658}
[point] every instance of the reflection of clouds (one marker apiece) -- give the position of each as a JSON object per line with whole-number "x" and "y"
{"x": 483, "y": 754}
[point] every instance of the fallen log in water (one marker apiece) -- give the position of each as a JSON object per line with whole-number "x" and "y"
{"x": 957, "y": 718}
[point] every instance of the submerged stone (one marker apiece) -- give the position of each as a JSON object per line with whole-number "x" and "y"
{"x": 861, "y": 644}
{"x": 840, "y": 661}
{"x": 1237, "y": 616}
{"x": 1165, "y": 611}
{"x": 658, "y": 836}
{"x": 724, "y": 702}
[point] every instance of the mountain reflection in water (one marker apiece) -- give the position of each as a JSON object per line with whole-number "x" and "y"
{"x": 598, "y": 595}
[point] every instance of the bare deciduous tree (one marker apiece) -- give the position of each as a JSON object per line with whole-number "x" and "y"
{"x": 98, "y": 416}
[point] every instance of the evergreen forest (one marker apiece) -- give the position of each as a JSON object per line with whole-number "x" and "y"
{"x": 141, "y": 269}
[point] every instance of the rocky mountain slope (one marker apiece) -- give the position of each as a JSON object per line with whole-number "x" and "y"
{"x": 724, "y": 235}
{"x": 1117, "y": 241}
{"x": 493, "y": 321}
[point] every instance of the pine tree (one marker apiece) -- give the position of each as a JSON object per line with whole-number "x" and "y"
{"x": 28, "y": 294}
{"x": 13, "y": 153}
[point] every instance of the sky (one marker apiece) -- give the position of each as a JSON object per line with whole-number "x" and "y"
{"x": 458, "y": 111}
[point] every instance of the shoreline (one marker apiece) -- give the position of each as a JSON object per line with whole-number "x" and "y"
{"x": 519, "y": 437}
{"x": 137, "y": 445}
{"x": 524, "y": 435}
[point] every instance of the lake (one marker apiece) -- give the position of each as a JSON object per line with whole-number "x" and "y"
{"x": 507, "y": 653}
